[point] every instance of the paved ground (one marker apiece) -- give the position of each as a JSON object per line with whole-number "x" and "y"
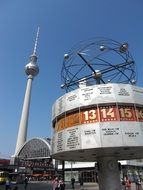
{"x": 93, "y": 186}
{"x": 47, "y": 186}
{"x": 31, "y": 186}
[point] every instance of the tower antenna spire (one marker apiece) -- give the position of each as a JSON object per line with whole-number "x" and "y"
{"x": 36, "y": 41}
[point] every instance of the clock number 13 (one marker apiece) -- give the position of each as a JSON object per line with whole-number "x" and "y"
{"x": 89, "y": 115}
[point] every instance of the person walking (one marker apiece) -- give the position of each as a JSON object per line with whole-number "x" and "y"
{"x": 138, "y": 183}
{"x": 128, "y": 183}
{"x": 25, "y": 183}
{"x": 55, "y": 184}
{"x": 81, "y": 181}
{"x": 8, "y": 184}
{"x": 123, "y": 181}
{"x": 61, "y": 184}
{"x": 72, "y": 182}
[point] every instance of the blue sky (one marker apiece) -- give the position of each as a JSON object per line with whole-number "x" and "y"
{"x": 63, "y": 23}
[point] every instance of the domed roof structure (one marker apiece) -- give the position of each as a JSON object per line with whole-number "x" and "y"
{"x": 35, "y": 148}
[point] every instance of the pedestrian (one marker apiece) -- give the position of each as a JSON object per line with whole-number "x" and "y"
{"x": 123, "y": 183}
{"x": 128, "y": 183}
{"x": 8, "y": 184}
{"x": 81, "y": 181}
{"x": 138, "y": 183}
{"x": 25, "y": 182}
{"x": 61, "y": 184}
{"x": 55, "y": 184}
{"x": 72, "y": 182}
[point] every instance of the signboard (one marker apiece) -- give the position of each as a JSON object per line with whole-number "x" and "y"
{"x": 71, "y": 100}
{"x": 105, "y": 93}
{"x": 59, "y": 107}
{"x": 72, "y": 138}
{"x": 137, "y": 94}
{"x": 60, "y": 143}
{"x": 123, "y": 93}
{"x": 90, "y": 136}
{"x": 131, "y": 134}
{"x": 111, "y": 134}
{"x": 87, "y": 96}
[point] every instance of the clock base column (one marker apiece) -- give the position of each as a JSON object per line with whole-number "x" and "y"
{"x": 109, "y": 174}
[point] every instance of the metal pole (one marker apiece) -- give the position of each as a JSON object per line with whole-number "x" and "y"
{"x": 63, "y": 170}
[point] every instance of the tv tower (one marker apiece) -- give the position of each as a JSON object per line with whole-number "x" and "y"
{"x": 31, "y": 70}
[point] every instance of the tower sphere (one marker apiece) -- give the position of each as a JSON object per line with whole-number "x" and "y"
{"x": 32, "y": 68}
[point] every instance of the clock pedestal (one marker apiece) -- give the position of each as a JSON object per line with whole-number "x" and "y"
{"x": 108, "y": 173}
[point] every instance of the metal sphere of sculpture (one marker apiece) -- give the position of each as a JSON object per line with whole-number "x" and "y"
{"x": 66, "y": 56}
{"x": 111, "y": 58}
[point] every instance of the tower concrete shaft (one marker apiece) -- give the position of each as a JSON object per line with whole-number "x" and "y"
{"x": 22, "y": 133}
